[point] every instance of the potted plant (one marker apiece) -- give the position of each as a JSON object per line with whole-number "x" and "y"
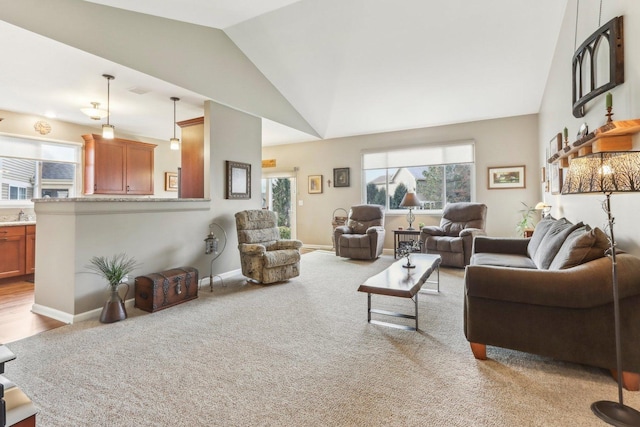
{"x": 526, "y": 222}
{"x": 114, "y": 269}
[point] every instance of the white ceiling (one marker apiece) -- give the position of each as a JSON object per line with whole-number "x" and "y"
{"x": 349, "y": 67}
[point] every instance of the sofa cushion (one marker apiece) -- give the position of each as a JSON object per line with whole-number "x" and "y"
{"x": 539, "y": 232}
{"x": 552, "y": 241}
{"x": 502, "y": 260}
{"x": 583, "y": 245}
{"x": 445, "y": 244}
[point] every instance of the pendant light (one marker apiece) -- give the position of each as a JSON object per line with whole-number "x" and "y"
{"x": 107, "y": 129}
{"x": 175, "y": 142}
{"x": 95, "y": 112}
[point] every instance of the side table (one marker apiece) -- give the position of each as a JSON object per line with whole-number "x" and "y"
{"x": 403, "y": 236}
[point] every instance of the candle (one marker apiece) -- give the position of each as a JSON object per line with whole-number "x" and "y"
{"x": 566, "y": 134}
{"x": 609, "y": 100}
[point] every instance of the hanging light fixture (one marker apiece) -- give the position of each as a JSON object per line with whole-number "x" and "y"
{"x": 107, "y": 129}
{"x": 95, "y": 112}
{"x": 175, "y": 142}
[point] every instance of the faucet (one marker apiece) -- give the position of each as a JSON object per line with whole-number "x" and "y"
{"x": 22, "y": 216}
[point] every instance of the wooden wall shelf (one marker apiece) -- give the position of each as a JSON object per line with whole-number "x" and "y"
{"x": 613, "y": 136}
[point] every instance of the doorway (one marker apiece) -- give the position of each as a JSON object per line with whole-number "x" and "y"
{"x": 279, "y": 195}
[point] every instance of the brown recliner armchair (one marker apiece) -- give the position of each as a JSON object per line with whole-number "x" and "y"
{"x": 453, "y": 239}
{"x": 264, "y": 256}
{"x": 363, "y": 235}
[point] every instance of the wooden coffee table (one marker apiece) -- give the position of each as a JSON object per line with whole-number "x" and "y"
{"x": 399, "y": 281}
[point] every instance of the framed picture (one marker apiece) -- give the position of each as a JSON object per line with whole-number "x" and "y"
{"x": 555, "y": 178}
{"x": 341, "y": 177}
{"x": 506, "y": 177}
{"x": 238, "y": 180}
{"x": 170, "y": 181}
{"x": 315, "y": 184}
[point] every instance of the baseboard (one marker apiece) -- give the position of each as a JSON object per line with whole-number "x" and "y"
{"x": 52, "y": 313}
{"x": 321, "y": 247}
{"x": 205, "y": 281}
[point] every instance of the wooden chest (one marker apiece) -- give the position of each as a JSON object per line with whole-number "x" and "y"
{"x": 158, "y": 291}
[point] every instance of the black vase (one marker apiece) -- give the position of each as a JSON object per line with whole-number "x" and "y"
{"x": 114, "y": 310}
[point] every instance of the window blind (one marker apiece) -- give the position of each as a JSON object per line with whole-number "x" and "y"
{"x": 424, "y": 155}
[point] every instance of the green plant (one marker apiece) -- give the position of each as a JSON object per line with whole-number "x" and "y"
{"x": 285, "y": 232}
{"x": 527, "y": 219}
{"x": 114, "y": 269}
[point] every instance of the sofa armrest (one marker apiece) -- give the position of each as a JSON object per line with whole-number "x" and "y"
{"x": 252, "y": 249}
{"x": 375, "y": 230}
{"x": 287, "y": 244}
{"x": 586, "y": 285}
{"x": 342, "y": 229}
{"x": 431, "y": 230}
{"x": 473, "y": 232}
{"x": 500, "y": 245}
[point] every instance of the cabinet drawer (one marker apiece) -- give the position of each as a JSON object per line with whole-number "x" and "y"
{"x": 11, "y": 231}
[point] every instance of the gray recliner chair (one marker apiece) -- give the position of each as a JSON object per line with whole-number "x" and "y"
{"x": 453, "y": 239}
{"x": 363, "y": 235}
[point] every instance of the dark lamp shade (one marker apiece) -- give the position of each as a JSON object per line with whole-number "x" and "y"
{"x": 609, "y": 172}
{"x": 410, "y": 200}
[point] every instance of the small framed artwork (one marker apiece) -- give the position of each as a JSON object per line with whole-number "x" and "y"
{"x": 170, "y": 181}
{"x": 341, "y": 177}
{"x": 238, "y": 180}
{"x": 506, "y": 177}
{"x": 555, "y": 178}
{"x": 315, "y": 184}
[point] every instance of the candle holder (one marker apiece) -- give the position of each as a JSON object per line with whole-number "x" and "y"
{"x": 609, "y": 114}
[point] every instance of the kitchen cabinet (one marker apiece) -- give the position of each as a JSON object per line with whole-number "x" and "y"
{"x": 117, "y": 166}
{"x": 192, "y": 158}
{"x": 30, "y": 260}
{"x": 13, "y": 251}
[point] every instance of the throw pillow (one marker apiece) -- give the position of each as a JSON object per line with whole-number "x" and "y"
{"x": 539, "y": 232}
{"x": 357, "y": 226}
{"x": 582, "y": 245}
{"x": 552, "y": 242}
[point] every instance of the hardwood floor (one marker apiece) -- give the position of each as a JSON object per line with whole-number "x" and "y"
{"x": 16, "y": 319}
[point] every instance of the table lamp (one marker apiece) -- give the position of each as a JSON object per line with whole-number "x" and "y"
{"x": 410, "y": 200}
{"x": 545, "y": 208}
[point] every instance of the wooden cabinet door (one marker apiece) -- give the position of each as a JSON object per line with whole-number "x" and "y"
{"x": 139, "y": 169}
{"x": 12, "y": 251}
{"x": 117, "y": 166}
{"x": 110, "y": 167}
{"x": 30, "y": 261}
{"x": 192, "y": 159}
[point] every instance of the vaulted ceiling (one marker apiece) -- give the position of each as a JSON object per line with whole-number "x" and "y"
{"x": 348, "y": 67}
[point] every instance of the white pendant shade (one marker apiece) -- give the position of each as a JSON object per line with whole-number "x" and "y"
{"x": 108, "y": 131}
{"x": 95, "y": 112}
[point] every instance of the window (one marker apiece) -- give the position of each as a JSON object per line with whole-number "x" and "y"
{"x": 439, "y": 174}
{"x": 33, "y": 168}
{"x": 17, "y": 193}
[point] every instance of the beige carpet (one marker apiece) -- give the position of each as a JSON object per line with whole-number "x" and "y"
{"x": 298, "y": 354}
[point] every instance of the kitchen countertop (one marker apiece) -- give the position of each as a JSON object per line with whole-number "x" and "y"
{"x": 16, "y": 223}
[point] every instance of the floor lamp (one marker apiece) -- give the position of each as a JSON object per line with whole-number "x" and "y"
{"x": 608, "y": 173}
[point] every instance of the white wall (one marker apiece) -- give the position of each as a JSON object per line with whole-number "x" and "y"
{"x": 555, "y": 113}
{"x": 501, "y": 142}
{"x": 159, "y": 234}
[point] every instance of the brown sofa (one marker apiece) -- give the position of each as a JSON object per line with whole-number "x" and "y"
{"x": 552, "y": 295}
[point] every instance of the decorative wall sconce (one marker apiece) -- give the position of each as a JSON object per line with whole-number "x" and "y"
{"x": 215, "y": 245}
